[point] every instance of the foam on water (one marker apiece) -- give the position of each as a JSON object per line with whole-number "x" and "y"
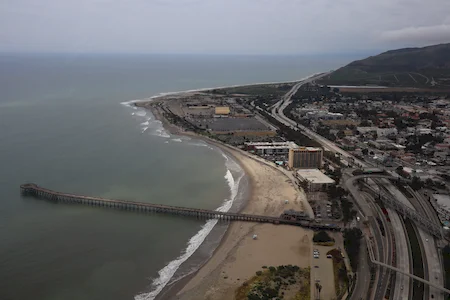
{"x": 149, "y": 123}
{"x": 177, "y": 140}
{"x": 166, "y": 273}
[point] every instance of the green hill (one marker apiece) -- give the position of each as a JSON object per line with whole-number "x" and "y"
{"x": 412, "y": 67}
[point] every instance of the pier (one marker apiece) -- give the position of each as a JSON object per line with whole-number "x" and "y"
{"x": 36, "y": 191}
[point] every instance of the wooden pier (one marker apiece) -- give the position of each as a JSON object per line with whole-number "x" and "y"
{"x": 36, "y": 191}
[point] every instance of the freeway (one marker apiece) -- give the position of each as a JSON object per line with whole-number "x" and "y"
{"x": 384, "y": 277}
{"x": 278, "y": 113}
{"x": 362, "y": 274}
{"x": 402, "y": 256}
{"x": 432, "y": 267}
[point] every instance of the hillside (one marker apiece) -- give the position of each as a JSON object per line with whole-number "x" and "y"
{"x": 412, "y": 67}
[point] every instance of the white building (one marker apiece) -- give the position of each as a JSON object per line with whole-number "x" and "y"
{"x": 315, "y": 178}
{"x": 271, "y": 148}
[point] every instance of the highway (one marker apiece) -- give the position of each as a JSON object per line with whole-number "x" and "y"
{"x": 362, "y": 274}
{"x": 432, "y": 267}
{"x": 278, "y": 113}
{"x": 387, "y": 249}
{"x": 403, "y": 256}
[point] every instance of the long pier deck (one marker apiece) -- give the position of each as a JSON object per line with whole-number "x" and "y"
{"x": 36, "y": 191}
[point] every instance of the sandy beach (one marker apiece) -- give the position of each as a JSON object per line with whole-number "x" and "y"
{"x": 239, "y": 256}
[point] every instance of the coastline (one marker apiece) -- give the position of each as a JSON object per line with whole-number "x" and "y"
{"x": 268, "y": 188}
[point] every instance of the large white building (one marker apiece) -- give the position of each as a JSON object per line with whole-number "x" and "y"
{"x": 315, "y": 179}
{"x": 271, "y": 148}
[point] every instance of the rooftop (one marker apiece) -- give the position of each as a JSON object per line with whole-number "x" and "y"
{"x": 314, "y": 176}
{"x": 272, "y": 144}
{"x": 300, "y": 148}
{"x": 442, "y": 200}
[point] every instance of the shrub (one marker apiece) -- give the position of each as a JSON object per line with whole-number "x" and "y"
{"x": 322, "y": 237}
{"x": 259, "y": 273}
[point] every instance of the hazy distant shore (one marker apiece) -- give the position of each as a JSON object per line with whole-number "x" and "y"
{"x": 238, "y": 256}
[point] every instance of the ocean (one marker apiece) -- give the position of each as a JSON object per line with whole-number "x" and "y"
{"x": 67, "y": 124}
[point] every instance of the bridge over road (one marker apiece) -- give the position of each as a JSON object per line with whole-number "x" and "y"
{"x": 43, "y": 193}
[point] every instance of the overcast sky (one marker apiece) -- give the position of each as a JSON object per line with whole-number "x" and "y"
{"x": 221, "y": 26}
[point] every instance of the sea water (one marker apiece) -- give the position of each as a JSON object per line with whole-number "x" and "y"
{"x": 67, "y": 124}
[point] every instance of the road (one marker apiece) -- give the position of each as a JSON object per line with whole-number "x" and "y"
{"x": 387, "y": 240}
{"x": 278, "y": 113}
{"x": 432, "y": 267}
{"x": 362, "y": 274}
{"x": 402, "y": 256}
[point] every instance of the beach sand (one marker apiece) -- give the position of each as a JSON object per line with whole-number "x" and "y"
{"x": 239, "y": 256}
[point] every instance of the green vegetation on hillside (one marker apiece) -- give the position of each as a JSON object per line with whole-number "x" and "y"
{"x": 427, "y": 67}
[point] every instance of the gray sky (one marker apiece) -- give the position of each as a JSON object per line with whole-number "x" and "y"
{"x": 221, "y": 26}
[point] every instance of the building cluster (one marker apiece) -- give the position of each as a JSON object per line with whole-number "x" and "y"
{"x": 223, "y": 116}
{"x": 306, "y": 162}
{"x": 409, "y": 133}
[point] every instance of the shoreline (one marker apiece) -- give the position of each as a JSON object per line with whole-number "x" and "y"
{"x": 165, "y": 94}
{"x": 237, "y": 233}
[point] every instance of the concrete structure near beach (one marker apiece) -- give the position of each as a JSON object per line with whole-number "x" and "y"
{"x": 270, "y": 148}
{"x": 305, "y": 158}
{"x": 315, "y": 179}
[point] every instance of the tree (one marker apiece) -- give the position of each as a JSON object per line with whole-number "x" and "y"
{"x": 352, "y": 242}
{"x": 365, "y": 151}
{"x": 322, "y": 237}
{"x": 429, "y": 182}
{"x": 416, "y": 183}
{"x": 348, "y": 213}
{"x": 318, "y": 288}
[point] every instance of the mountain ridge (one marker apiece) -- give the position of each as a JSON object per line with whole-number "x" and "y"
{"x": 416, "y": 67}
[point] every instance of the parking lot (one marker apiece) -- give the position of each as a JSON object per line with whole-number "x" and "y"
{"x": 322, "y": 208}
{"x": 322, "y": 272}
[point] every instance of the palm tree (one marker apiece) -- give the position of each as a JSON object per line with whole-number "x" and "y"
{"x": 319, "y": 288}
